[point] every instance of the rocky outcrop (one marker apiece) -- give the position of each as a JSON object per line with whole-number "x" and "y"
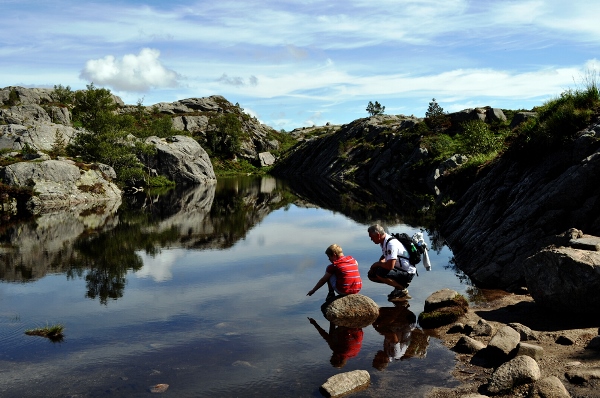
{"x": 198, "y": 115}
{"x": 485, "y": 114}
{"x": 520, "y": 206}
{"x": 61, "y": 184}
{"x": 566, "y": 279}
{"x": 374, "y": 149}
{"x": 181, "y": 159}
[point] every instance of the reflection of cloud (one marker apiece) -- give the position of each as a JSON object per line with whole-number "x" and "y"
{"x": 158, "y": 267}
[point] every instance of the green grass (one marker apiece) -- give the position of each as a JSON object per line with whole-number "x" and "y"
{"x": 52, "y": 332}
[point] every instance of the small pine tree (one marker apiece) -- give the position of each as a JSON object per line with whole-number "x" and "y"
{"x": 437, "y": 119}
{"x": 13, "y": 98}
{"x": 375, "y": 108}
{"x": 60, "y": 144}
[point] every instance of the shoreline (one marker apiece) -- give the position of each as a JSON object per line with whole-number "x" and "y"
{"x": 504, "y": 308}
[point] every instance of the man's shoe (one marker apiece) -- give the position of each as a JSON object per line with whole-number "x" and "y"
{"x": 330, "y": 296}
{"x": 399, "y": 294}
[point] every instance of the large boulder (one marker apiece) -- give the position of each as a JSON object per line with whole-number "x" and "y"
{"x": 517, "y": 371}
{"x": 442, "y": 308}
{"x": 181, "y": 159}
{"x": 504, "y": 343}
{"x": 353, "y": 310}
{"x": 60, "y": 184}
{"x": 565, "y": 279}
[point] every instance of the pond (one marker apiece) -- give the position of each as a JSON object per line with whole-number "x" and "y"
{"x": 204, "y": 290}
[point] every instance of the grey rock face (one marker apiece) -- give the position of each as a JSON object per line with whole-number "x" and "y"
{"x": 565, "y": 279}
{"x": 439, "y": 299}
{"x": 266, "y": 159}
{"x": 60, "y": 184}
{"x": 520, "y": 207}
{"x": 181, "y": 159}
{"x": 534, "y": 351}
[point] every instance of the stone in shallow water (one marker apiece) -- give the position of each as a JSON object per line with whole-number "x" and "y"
{"x": 345, "y": 383}
{"x": 158, "y": 388}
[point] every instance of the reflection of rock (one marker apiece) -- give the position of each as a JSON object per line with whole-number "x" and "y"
{"x": 191, "y": 211}
{"x": 31, "y": 250}
{"x": 363, "y": 205}
{"x": 213, "y": 216}
{"x": 353, "y": 310}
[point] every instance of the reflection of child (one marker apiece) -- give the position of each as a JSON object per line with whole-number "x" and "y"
{"x": 341, "y": 275}
{"x": 344, "y": 342}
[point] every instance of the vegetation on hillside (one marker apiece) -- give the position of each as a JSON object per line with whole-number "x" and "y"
{"x": 114, "y": 135}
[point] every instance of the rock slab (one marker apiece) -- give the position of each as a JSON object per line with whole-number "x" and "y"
{"x": 345, "y": 383}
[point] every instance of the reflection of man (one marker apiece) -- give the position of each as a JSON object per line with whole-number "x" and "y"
{"x": 396, "y": 325}
{"x": 344, "y": 342}
{"x": 393, "y": 267}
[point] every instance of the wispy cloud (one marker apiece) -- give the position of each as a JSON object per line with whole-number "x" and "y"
{"x": 296, "y": 60}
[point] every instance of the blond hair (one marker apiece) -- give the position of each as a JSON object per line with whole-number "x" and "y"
{"x": 334, "y": 250}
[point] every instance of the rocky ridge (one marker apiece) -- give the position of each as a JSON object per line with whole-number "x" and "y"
{"x": 32, "y": 123}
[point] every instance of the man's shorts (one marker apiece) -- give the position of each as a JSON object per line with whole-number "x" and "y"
{"x": 400, "y": 276}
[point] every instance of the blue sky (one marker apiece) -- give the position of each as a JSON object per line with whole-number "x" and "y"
{"x": 303, "y": 63}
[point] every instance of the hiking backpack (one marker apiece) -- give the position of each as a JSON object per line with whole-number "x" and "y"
{"x": 414, "y": 250}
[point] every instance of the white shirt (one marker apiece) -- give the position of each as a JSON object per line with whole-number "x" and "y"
{"x": 393, "y": 249}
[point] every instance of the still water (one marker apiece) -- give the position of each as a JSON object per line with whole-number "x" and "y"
{"x": 204, "y": 290}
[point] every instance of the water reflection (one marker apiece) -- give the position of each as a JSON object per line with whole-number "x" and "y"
{"x": 344, "y": 342}
{"x": 401, "y": 337}
{"x": 101, "y": 244}
{"x": 218, "y": 307}
{"x": 363, "y": 204}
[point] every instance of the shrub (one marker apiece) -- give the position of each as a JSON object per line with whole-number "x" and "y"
{"x": 63, "y": 95}
{"x": 477, "y": 138}
{"x": 13, "y": 98}
{"x": 225, "y": 138}
{"x": 561, "y": 118}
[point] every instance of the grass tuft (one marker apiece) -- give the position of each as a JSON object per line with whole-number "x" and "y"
{"x": 52, "y": 332}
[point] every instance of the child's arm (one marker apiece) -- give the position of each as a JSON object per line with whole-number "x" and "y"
{"x": 319, "y": 284}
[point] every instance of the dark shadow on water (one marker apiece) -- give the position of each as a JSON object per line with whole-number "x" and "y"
{"x": 535, "y": 317}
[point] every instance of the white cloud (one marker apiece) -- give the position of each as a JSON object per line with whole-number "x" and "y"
{"x": 131, "y": 73}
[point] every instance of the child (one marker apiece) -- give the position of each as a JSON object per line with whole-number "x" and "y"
{"x": 341, "y": 275}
